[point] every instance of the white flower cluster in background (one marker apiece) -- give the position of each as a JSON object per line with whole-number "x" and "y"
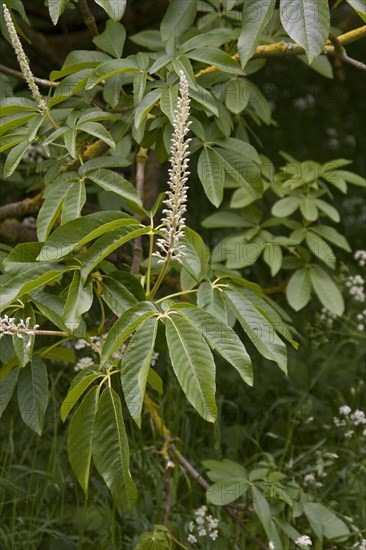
{"x": 83, "y": 363}
{"x": 350, "y": 420}
{"x": 355, "y": 285}
{"x": 361, "y": 320}
{"x": 361, "y": 545}
{"x": 304, "y": 541}
{"x": 173, "y": 220}
{"x": 204, "y": 525}
{"x": 34, "y": 153}
{"x": 327, "y": 317}
{"x": 360, "y": 257}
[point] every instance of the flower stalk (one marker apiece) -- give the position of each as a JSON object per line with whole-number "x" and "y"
{"x": 173, "y": 222}
{"x": 24, "y": 66}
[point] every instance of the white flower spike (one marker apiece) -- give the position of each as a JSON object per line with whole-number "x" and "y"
{"x": 173, "y": 220}
{"x": 22, "y": 60}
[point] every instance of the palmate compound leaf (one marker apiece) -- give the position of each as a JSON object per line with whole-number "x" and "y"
{"x": 111, "y": 451}
{"x": 222, "y": 338}
{"x": 80, "y": 437}
{"x": 193, "y": 364}
{"x": 257, "y": 327}
{"x": 135, "y": 366}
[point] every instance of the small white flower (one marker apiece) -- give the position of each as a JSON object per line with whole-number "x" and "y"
{"x": 364, "y": 432}
{"x": 345, "y": 410}
{"x": 304, "y": 540}
{"x": 83, "y": 363}
{"x": 202, "y": 532}
{"x": 348, "y": 434}
{"x": 214, "y": 534}
{"x": 192, "y": 539}
{"x": 360, "y": 257}
{"x": 191, "y": 526}
{"x": 271, "y": 546}
{"x": 358, "y": 417}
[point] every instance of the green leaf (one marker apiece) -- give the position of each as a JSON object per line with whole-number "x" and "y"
{"x": 298, "y": 290}
{"x": 236, "y": 96}
{"x": 216, "y": 57}
{"x": 135, "y": 367}
{"x": 212, "y": 176}
{"x": 146, "y": 105}
{"x": 11, "y": 105}
{"x": 203, "y": 97}
{"x": 113, "y": 9}
{"x": 255, "y": 18}
{"x": 258, "y": 329}
{"x": 178, "y": 18}
{"x": 320, "y": 249}
{"x": 263, "y": 511}
{"x": 110, "y": 68}
{"x": 75, "y": 393}
{"x": 359, "y": 7}
{"x": 168, "y": 102}
{"x": 32, "y": 391}
{"x": 14, "y": 158}
{"x": 211, "y": 299}
{"x": 193, "y": 364}
{"x": 308, "y": 207}
{"x": 111, "y": 181}
{"x": 224, "y": 219}
{"x": 78, "y": 60}
{"x": 55, "y": 8}
{"x": 307, "y": 23}
{"x": 112, "y": 39}
{"x": 117, "y": 296}
{"x": 325, "y": 523}
{"x": 51, "y": 207}
{"x": 79, "y": 300}
{"x": 97, "y": 130}
{"x": 328, "y": 210}
{"x": 196, "y": 254}
{"x": 129, "y": 321}
{"x": 223, "y": 339}
{"x": 80, "y": 437}
{"x": 107, "y": 244}
{"x": 285, "y": 207}
{"x": 326, "y": 290}
{"x": 73, "y": 202}
{"x": 76, "y": 233}
{"x": 355, "y": 179}
{"x": 332, "y": 235}
{"x": 111, "y": 450}
{"x": 272, "y": 255}
{"x": 31, "y": 278}
{"x": 7, "y": 387}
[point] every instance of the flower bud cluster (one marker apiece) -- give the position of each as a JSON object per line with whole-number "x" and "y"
{"x": 8, "y": 325}
{"x": 204, "y": 525}
{"x": 360, "y": 257}
{"x": 355, "y": 285}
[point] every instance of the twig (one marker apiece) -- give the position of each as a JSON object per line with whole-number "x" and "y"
{"x": 152, "y": 409}
{"x": 21, "y": 208}
{"x": 341, "y": 54}
{"x": 140, "y": 182}
{"x": 41, "y": 81}
{"x": 88, "y": 17}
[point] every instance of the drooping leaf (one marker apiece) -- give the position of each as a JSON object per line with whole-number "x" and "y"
{"x": 112, "y": 39}
{"x": 216, "y": 57}
{"x": 80, "y": 437}
{"x": 255, "y": 18}
{"x": 114, "y": 9}
{"x": 178, "y": 18}
{"x": 145, "y": 106}
{"x": 193, "y": 364}
{"x": 55, "y": 8}
{"x": 326, "y": 290}
{"x": 111, "y": 181}
{"x": 320, "y": 249}
{"x": 32, "y": 392}
{"x": 325, "y": 523}
{"x": 223, "y": 339}
{"x": 136, "y": 365}
{"x": 258, "y": 329}
{"x": 212, "y": 176}
{"x": 307, "y": 23}
{"x": 75, "y": 392}
{"x": 111, "y": 453}
{"x": 298, "y": 290}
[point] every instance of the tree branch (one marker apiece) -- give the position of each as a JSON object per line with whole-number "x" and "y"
{"x": 152, "y": 409}
{"x": 281, "y": 49}
{"x": 41, "y": 81}
{"x": 88, "y": 17}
